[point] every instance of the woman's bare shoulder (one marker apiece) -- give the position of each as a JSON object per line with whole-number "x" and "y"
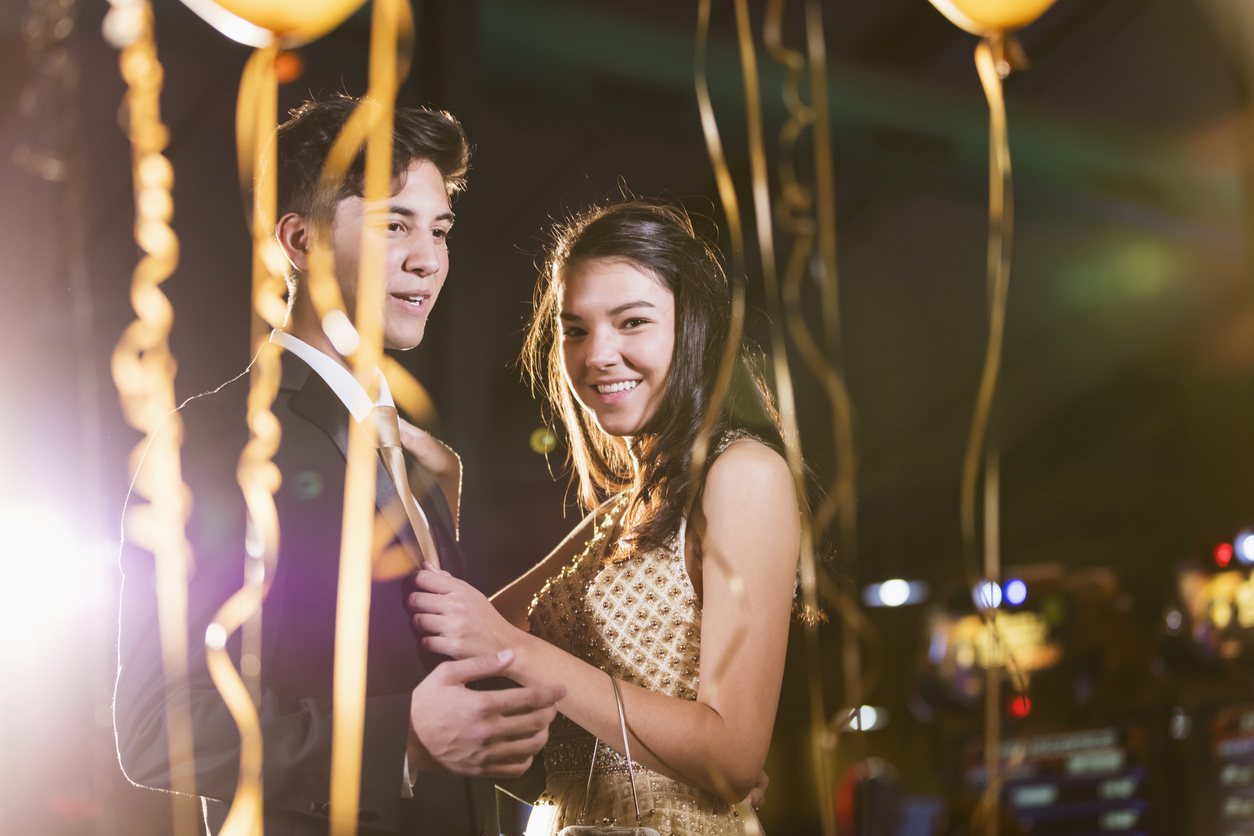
{"x": 749, "y": 472}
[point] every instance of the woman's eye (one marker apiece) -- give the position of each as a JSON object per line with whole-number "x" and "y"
{"x": 572, "y": 332}
{"x": 635, "y": 322}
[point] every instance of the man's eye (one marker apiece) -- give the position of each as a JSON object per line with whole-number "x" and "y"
{"x": 440, "y": 234}
{"x": 395, "y": 226}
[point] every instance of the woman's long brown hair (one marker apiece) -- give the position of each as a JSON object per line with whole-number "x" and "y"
{"x": 660, "y": 240}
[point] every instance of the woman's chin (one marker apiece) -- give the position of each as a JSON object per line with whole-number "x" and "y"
{"x": 618, "y": 427}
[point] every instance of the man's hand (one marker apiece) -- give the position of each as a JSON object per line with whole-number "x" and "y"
{"x": 491, "y": 734}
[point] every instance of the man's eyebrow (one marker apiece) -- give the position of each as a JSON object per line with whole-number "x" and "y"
{"x": 409, "y": 213}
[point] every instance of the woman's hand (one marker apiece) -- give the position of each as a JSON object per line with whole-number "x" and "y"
{"x": 439, "y": 460}
{"x": 433, "y": 454}
{"x": 454, "y": 619}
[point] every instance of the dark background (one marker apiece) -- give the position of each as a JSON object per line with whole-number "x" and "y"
{"x": 1128, "y": 391}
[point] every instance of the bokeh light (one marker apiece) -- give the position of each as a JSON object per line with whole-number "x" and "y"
{"x": 987, "y": 595}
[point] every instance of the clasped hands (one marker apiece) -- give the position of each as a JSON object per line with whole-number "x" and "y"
{"x": 452, "y": 618}
{"x": 452, "y": 728}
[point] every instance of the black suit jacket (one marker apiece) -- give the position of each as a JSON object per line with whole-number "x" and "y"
{"x": 298, "y": 629}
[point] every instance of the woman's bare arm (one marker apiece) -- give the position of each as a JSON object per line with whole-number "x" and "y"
{"x": 719, "y": 741}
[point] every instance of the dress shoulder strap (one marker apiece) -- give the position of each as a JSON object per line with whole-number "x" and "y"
{"x": 725, "y": 440}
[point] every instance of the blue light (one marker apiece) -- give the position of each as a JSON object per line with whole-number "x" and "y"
{"x": 1016, "y": 592}
{"x": 1243, "y": 545}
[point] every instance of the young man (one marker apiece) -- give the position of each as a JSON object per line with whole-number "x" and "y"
{"x": 431, "y": 743}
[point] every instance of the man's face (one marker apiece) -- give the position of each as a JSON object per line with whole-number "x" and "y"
{"x": 414, "y": 226}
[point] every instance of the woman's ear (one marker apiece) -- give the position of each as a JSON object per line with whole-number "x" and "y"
{"x": 294, "y": 233}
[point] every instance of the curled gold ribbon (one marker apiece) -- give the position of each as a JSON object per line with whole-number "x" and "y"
{"x": 143, "y": 370}
{"x": 762, "y": 215}
{"x": 353, "y": 598}
{"x": 258, "y": 477}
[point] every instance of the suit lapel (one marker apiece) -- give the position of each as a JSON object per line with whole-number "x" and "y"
{"x": 317, "y": 402}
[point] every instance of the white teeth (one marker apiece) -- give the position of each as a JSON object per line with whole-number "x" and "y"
{"x": 610, "y": 388}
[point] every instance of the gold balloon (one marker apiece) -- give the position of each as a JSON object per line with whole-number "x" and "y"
{"x": 257, "y": 22}
{"x": 990, "y": 17}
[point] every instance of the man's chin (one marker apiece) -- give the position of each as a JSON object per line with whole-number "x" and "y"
{"x": 405, "y": 340}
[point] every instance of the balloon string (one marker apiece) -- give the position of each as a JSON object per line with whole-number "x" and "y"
{"x": 810, "y": 215}
{"x": 258, "y": 477}
{"x": 143, "y": 370}
{"x": 821, "y": 742}
{"x": 727, "y": 363}
{"x": 352, "y": 620}
{"x": 981, "y": 441}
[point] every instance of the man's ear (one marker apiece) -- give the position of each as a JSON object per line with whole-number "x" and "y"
{"x": 295, "y": 234}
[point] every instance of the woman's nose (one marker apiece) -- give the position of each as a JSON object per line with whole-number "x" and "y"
{"x": 602, "y": 349}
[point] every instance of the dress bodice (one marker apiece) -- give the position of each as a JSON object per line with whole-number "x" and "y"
{"x": 639, "y": 620}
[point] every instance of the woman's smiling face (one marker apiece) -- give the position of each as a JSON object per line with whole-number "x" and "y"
{"x": 618, "y": 337}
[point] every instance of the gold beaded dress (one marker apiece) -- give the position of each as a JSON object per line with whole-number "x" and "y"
{"x": 638, "y": 620}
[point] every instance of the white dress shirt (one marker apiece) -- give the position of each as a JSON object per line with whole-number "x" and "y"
{"x": 345, "y": 386}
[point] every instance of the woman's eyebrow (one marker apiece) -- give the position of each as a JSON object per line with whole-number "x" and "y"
{"x": 628, "y": 306}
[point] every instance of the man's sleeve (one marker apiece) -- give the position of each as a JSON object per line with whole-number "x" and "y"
{"x": 296, "y": 734}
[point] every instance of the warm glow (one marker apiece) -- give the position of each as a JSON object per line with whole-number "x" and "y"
{"x": 54, "y": 580}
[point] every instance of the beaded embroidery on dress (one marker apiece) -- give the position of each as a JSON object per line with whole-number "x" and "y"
{"x": 640, "y": 621}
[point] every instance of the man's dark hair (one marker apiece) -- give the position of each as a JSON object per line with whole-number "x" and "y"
{"x": 305, "y": 140}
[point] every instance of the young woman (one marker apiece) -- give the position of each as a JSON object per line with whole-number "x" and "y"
{"x": 690, "y": 613}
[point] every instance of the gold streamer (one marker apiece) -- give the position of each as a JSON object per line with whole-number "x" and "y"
{"x": 143, "y": 370}
{"x": 258, "y": 477}
{"x": 353, "y": 599}
{"x": 821, "y": 739}
{"x": 812, "y": 225}
{"x": 727, "y": 363}
{"x": 992, "y": 68}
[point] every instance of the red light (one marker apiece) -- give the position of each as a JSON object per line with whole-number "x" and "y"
{"x": 1021, "y": 706}
{"x": 1223, "y": 554}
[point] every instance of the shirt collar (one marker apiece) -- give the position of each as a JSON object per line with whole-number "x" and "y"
{"x": 340, "y": 379}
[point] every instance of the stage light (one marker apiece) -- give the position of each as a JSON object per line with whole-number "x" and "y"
{"x": 1021, "y": 706}
{"x": 1223, "y": 554}
{"x": 55, "y": 582}
{"x": 1174, "y": 619}
{"x": 1016, "y": 592}
{"x": 867, "y": 718}
{"x": 987, "y": 595}
{"x": 894, "y": 593}
{"x": 1243, "y": 546}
